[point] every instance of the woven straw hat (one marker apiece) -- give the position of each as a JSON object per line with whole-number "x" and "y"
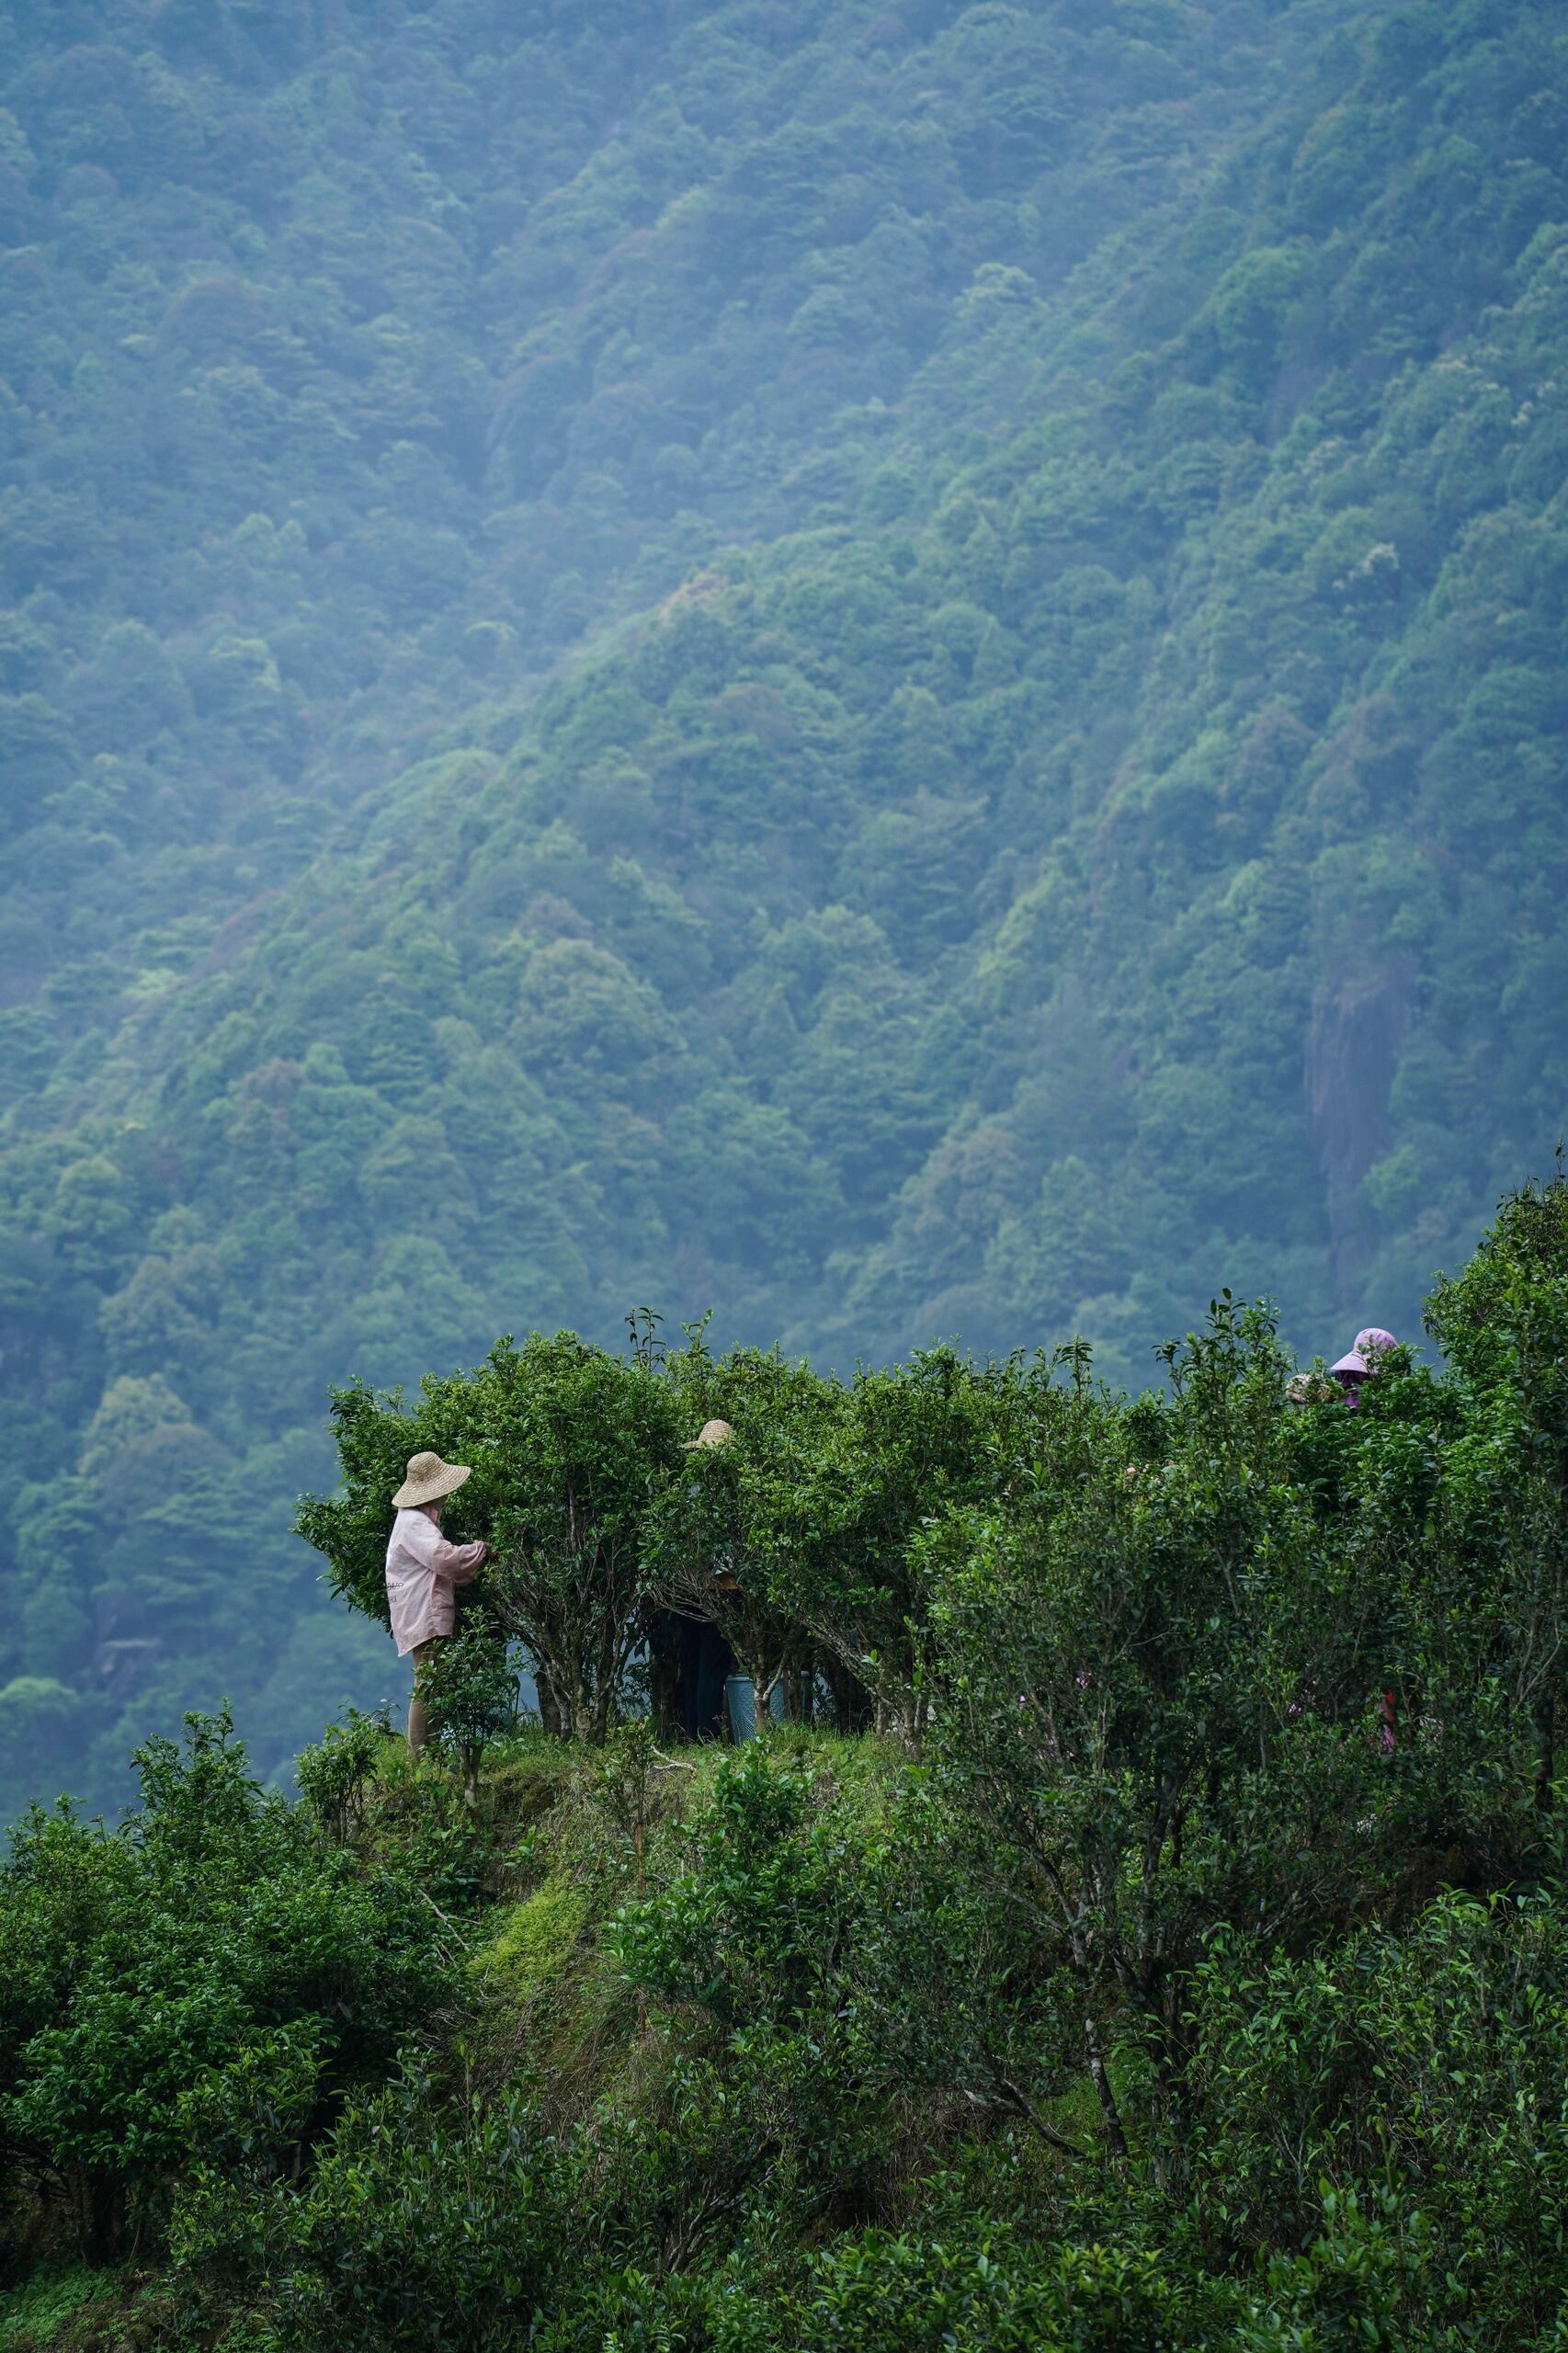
{"x": 711, "y": 1434}
{"x": 429, "y": 1480}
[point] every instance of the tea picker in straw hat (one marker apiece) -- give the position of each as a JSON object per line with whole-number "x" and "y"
{"x": 711, "y": 1434}
{"x": 691, "y": 1655}
{"x": 422, "y": 1571}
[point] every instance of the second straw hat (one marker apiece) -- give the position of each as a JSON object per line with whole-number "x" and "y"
{"x": 711, "y": 1434}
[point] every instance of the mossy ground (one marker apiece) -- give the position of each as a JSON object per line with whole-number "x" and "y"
{"x": 533, "y": 1945}
{"x": 61, "y": 2307}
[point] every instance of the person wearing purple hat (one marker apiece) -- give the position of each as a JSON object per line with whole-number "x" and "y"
{"x": 1372, "y": 1346}
{"x": 1364, "y": 1360}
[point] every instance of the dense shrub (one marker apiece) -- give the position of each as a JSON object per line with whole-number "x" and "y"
{"x": 209, "y": 1975}
{"x": 412, "y": 2233}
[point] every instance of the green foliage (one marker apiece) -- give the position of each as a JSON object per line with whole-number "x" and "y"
{"x": 1429, "y": 2060}
{"x": 31, "y": 2316}
{"x": 923, "y": 2297}
{"x": 472, "y": 1696}
{"x": 207, "y": 1965}
{"x": 735, "y": 1932}
{"x": 407, "y": 2234}
{"x": 334, "y": 1777}
{"x": 901, "y": 1448}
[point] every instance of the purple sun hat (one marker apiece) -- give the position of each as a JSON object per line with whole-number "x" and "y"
{"x": 1372, "y": 1343}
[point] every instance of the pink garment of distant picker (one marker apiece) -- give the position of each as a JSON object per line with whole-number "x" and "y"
{"x": 1372, "y": 1344}
{"x": 422, "y": 1571}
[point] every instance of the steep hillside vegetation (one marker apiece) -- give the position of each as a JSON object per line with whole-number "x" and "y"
{"x": 894, "y": 670}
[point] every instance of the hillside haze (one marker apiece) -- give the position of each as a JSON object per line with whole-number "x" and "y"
{"x": 893, "y": 670}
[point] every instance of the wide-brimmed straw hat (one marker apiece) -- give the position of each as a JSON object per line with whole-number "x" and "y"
{"x": 711, "y": 1434}
{"x": 1372, "y": 1344}
{"x": 429, "y": 1480}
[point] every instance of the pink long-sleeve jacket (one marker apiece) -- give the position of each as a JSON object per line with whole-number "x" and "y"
{"x": 422, "y": 1571}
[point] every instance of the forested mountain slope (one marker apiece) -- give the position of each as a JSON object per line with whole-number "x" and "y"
{"x": 897, "y": 670}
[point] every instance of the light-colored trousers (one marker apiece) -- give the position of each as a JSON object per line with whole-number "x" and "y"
{"x": 418, "y": 1724}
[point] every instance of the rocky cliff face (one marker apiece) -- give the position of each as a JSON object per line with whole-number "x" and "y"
{"x": 1358, "y": 1020}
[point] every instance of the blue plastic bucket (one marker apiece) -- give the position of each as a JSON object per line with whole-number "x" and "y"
{"x": 740, "y": 1694}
